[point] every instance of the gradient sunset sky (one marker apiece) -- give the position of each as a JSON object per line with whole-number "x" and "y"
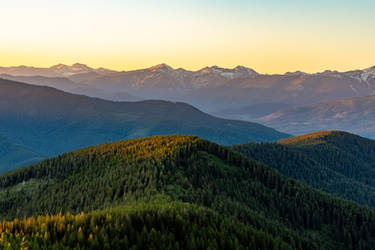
{"x": 270, "y": 36}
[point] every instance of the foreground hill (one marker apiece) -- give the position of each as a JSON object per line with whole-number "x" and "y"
{"x": 217, "y": 188}
{"x": 337, "y": 162}
{"x": 52, "y": 122}
{"x": 356, "y": 115}
{"x": 159, "y": 224}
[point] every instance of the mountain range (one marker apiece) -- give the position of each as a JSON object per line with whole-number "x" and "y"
{"x": 59, "y": 70}
{"x": 214, "y": 88}
{"x": 171, "y": 192}
{"x": 278, "y": 100}
{"x": 51, "y": 121}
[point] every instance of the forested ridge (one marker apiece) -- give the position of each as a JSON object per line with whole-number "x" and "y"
{"x": 175, "y": 177}
{"x": 337, "y": 162}
{"x": 159, "y": 224}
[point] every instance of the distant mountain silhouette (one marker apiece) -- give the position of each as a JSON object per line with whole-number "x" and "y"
{"x": 59, "y": 70}
{"x": 238, "y": 93}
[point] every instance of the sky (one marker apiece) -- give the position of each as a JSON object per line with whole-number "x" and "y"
{"x": 270, "y": 36}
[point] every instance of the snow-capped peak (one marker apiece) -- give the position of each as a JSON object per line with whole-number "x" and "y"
{"x": 102, "y": 70}
{"x": 80, "y": 67}
{"x": 67, "y": 70}
{"x": 212, "y": 69}
{"x": 235, "y": 73}
{"x": 59, "y": 66}
{"x": 76, "y": 66}
{"x": 244, "y": 69}
{"x": 297, "y": 73}
{"x": 370, "y": 70}
{"x": 162, "y": 68}
{"x": 368, "y": 74}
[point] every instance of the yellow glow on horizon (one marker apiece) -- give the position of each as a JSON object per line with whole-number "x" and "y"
{"x": 127, "y": 35}
{"x": 269, "y": 60}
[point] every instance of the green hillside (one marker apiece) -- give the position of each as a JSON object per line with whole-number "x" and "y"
{"x": 200, "y": 188}
{"x": 336, "y": 162}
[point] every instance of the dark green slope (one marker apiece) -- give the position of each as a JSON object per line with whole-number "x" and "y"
{"x": 19, "y": 155}
{"x": 336, "y": 162}
{"x": 194, "y": 171}
{"x": 52, "y": 122}
{"x": 159, "y": 224}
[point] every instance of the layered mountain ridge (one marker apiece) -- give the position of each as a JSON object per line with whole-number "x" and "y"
{"x": 214, "y": 89}
{"x": 51, "y": 121}
{"x": 295, "y": 102}
{"x": 364, "y": 75}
